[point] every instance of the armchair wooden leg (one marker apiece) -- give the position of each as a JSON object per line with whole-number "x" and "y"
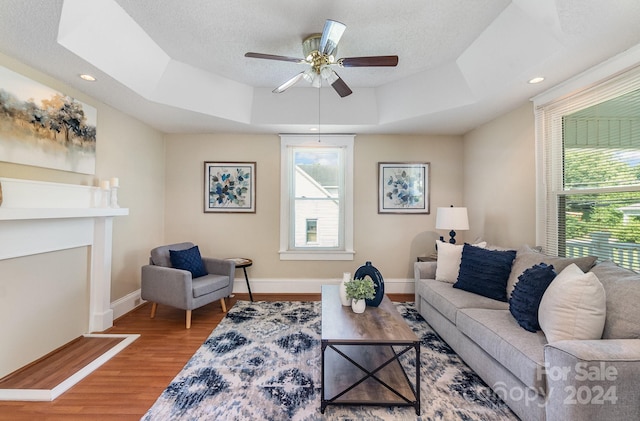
{"x": 224, "y": 305}
{"x": 154, "y": 307}
{"x": 188, "y": 319}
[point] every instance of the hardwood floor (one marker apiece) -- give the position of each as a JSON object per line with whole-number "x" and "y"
{"x": 126, "y": 386}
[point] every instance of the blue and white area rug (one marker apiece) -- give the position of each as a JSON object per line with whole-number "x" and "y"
{"x": 262, "y": 362}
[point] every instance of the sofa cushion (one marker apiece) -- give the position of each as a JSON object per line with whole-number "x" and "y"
{"x": 527, "y": 294}
{"x": 449, "y": 256}
{"x": 208, "y": 284}
{"x": 498, "y": 334}
{"x": 573, "y": 307}
{"x": 447, "y": 300}
{"x": 160, "y": 255}
{"x": 527, "y": 257}
{"x": 485, "y": 272}
{"x": 189, "y": 259}
{"x": 622, "y": 288}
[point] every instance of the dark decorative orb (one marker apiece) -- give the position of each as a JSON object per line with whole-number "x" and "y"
{"x": 369, "y": 270}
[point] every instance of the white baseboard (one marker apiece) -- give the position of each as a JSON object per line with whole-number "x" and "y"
{"x": 127, "y": 303}
{"x": 130, "y": 301}
{"x": 310, "y": 285}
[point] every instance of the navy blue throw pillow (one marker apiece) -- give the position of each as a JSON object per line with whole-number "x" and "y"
{"x": 190, "y": 260}
{"x": 527, "y": 294}
{"x": 485, "y": 272}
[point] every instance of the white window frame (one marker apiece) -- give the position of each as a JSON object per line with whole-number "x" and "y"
{"x": 287, "y": 141}
{"x": 589, "y": 89}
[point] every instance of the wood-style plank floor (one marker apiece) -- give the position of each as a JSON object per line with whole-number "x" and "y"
{"x": 126, "y": 386}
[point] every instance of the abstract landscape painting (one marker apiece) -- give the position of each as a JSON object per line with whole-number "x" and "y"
{"x": 45, "y": 128}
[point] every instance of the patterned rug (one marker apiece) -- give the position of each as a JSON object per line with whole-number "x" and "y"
{"x": 262, "y": 362}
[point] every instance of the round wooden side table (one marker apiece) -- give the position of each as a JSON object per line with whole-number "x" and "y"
{"x": 243, "y": 263}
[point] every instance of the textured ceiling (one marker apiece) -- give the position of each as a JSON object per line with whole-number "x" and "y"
{"x": 179, "y": 65}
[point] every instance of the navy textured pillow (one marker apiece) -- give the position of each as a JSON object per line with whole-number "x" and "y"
{"x": 527, "y": 294}
{"x": 485, "y": 272}
{"x": 190, "y": 260}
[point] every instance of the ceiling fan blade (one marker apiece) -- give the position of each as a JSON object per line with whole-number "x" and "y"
{"x": 275, "y": 57}
{"x": 341, "y": 87}
{"x": 288, "y": 83}
{"x": 373, "y": 61}
{"x": 331, "y": 35}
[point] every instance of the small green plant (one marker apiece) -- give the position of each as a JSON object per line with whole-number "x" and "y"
{"x": 360, "y": 289}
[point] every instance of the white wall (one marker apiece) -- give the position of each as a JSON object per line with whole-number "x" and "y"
{"x": 500, "y": 177}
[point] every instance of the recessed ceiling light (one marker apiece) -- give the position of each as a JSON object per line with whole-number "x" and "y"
{"x": 87, "y": 77}
{"x": 536, "y": 80}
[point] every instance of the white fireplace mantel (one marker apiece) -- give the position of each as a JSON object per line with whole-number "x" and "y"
{"x": 40, "y": 217}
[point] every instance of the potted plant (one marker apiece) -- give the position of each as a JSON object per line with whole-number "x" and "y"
{"x": 359, "y": 290}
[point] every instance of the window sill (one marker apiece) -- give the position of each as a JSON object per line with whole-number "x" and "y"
{"x": 316, "y": 255}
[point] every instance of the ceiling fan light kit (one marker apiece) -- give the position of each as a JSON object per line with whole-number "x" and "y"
{"x": 319, "y": 51}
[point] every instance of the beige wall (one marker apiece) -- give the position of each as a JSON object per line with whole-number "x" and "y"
{"x": 129, "y": 150}
{"x": 491, "y": 170}
{"x": 499, "y": 179}
{"x": 391, "y": 242}
{"x": 126, "y": 148}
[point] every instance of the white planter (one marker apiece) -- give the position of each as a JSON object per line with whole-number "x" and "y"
{"x": 358, "y": 306}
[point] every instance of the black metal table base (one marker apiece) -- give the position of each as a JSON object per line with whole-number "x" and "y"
{"x": 246, "y": 278}
{"x": 372, "y": 374}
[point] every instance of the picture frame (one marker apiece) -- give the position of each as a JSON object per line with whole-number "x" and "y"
{"x": 403, "y": 187}
{"x": 229, "y": 187}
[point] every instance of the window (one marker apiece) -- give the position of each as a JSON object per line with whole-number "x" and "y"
{"x": 590, "y": 153}
{"x": 316, "y": 208}
{"x": 312, "y": 231}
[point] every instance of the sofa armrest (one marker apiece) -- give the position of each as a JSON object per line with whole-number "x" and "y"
{"x": 424, "y": 270}
{"x": 593, "y": 380}
{"x": 220, "y": 267}
{"x": 168, "y": 286}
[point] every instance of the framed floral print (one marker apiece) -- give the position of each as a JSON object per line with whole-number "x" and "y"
{"x": 230, "y": 187}
{"x": 403, "y": 187}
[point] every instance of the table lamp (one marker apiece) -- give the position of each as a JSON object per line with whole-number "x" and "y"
{"x": 452, "y": 218}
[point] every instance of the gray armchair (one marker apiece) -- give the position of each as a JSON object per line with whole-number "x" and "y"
{"x": 163, "y": 284}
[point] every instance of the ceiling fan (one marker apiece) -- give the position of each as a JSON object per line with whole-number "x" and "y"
{"x": 319, "y": 52}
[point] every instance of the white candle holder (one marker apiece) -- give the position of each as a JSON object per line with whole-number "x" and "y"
{"x": 104, "y": 198}
{"x": 114, "y": 197}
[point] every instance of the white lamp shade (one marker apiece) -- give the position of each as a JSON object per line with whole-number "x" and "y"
{"x": 452, "y": 219}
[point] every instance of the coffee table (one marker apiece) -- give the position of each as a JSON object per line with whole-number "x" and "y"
{"x": 360, "y": 355}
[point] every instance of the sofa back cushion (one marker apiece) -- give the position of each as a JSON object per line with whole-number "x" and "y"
{"x": 528, "y": 257}
{"x": 622, "y": 287}
{"x": 160, "y": 255}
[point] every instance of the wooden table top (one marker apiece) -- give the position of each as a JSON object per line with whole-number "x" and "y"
{"x": 382, "y": 324}
{"x": 241, "y": 261}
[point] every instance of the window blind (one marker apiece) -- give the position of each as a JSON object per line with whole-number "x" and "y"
{"x": 588, "y": 148}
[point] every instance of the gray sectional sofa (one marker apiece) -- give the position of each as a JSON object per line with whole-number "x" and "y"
{"x": 558, "y": 381}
